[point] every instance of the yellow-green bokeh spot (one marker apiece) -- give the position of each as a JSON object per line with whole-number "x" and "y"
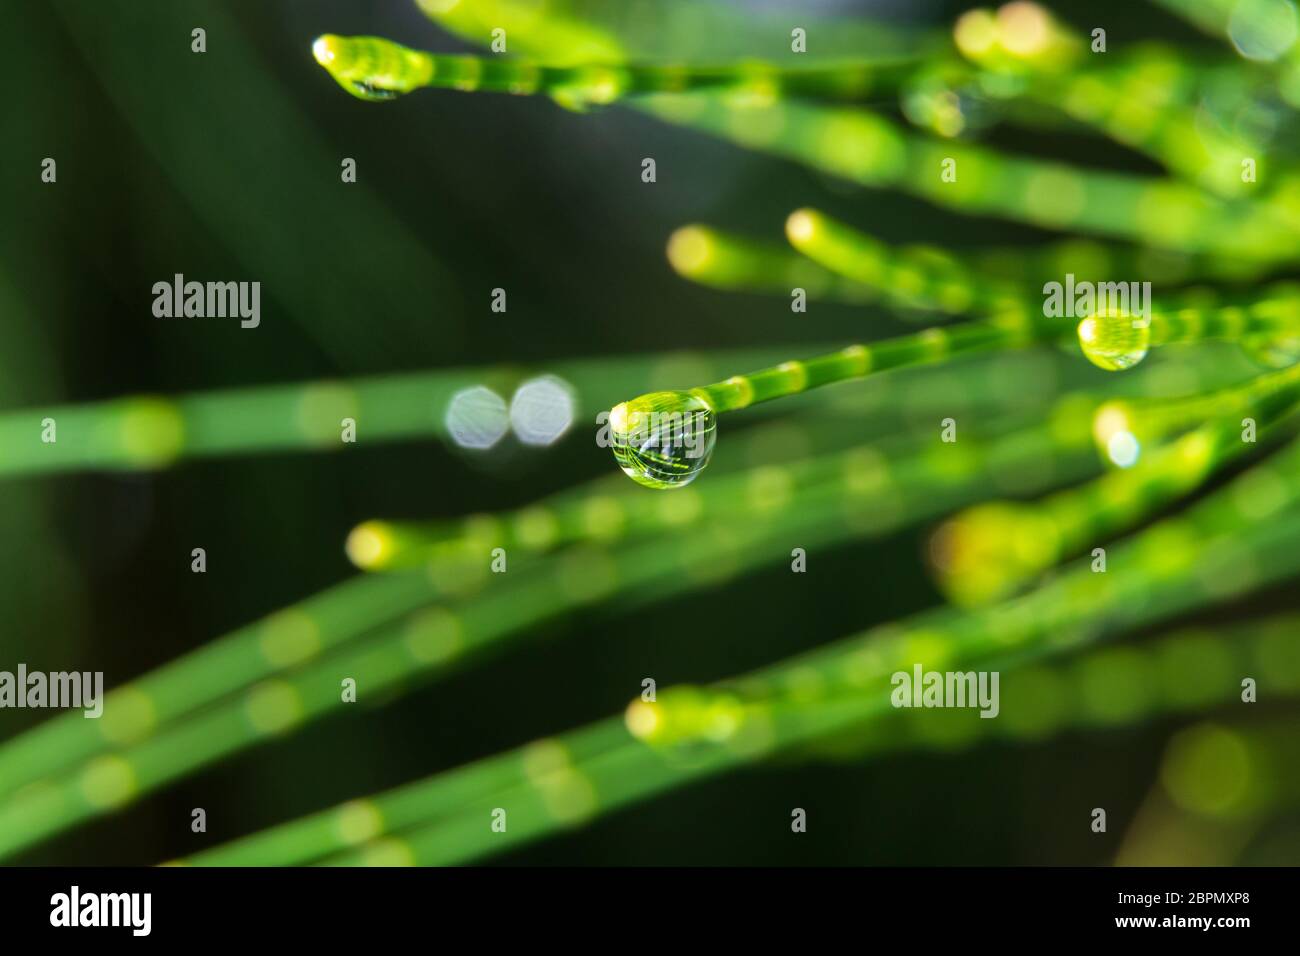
{"x": 1208, "y": 770}
{"x": 987, "y": 551}
{"x": 321, "y": 410}
{"x": 685, "y": 715}
{"x": 358, "y": 821}
{"x": 273, "y": 706}
{"x": 107, "y": 782}
{"x": 129, "y": 716}
{"x": 150, "y": 432}
{"x": 434, "y": 636}
{"x": 289, "y": 637}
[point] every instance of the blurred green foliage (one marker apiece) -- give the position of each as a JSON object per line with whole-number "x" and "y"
{"x": 376, "y": 301}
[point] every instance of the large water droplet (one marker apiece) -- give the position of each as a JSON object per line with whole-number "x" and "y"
{"x": 1114, "y": 342}
{"x": 663, "y": 439}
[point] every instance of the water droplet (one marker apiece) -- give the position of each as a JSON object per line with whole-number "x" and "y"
{"x": 1114, "y": 342}
{"x": 1272, "y": 351}
{"x": 367, "y": 67}
{"x": 369, "y": 91}
{"x": 1263, "y": 30}
{"x": 663, "y": 439}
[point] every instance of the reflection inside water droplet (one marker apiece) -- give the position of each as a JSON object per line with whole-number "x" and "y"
{"x": 1114, "y": 341}
{"x": 369, "y": 91}
{"x": 664, "y": 439}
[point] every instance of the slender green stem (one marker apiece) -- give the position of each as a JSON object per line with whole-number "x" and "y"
{"x": 993, "y": 548}
{"x": 1118, "y": 336}
{"x": 580, "y": 31}
{"x": 1056, "y": 452}
{"x": 1183, "y": 673}
{"x": 357, "y": 821}
{"x": 1276, "y": 311}
{"x": 576, "y": 781}
{"x": 372, "y": 68}
{"x": 1128, "y": 424}
{"x": 842, "y": 264}
{"x": 916, "y": 277}
{"x": 726, "y": 261}
{"x": 690, "y": 734}
{"x": 67, "y": 775}
{"x": 1143, "y": 98}
{"x": 594, "y": 513}
{"x": 158, "y": 701}
{"x": 150, "y": 432}
{"x": 1034, "y": 265}
{"x": 428, "y": 643}
{"x": 869, "y": 150}
{"x": 855, "y": 361}
{"x": 1168, "y": 569}
{"x": 863, "y": 148}
{"x": 665, "y": 439}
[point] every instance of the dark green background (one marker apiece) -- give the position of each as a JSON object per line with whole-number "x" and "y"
{"x": 174, "y": 162}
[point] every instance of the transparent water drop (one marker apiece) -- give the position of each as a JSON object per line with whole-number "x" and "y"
{"x": 366, "y": 90}
{"x": 1273, "y": 351}
{"x": 1114, "y": 342}
{"x": 663, "y": 439}
{"x": 1263, "y": 30}
{"x": 365, "y": 67}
